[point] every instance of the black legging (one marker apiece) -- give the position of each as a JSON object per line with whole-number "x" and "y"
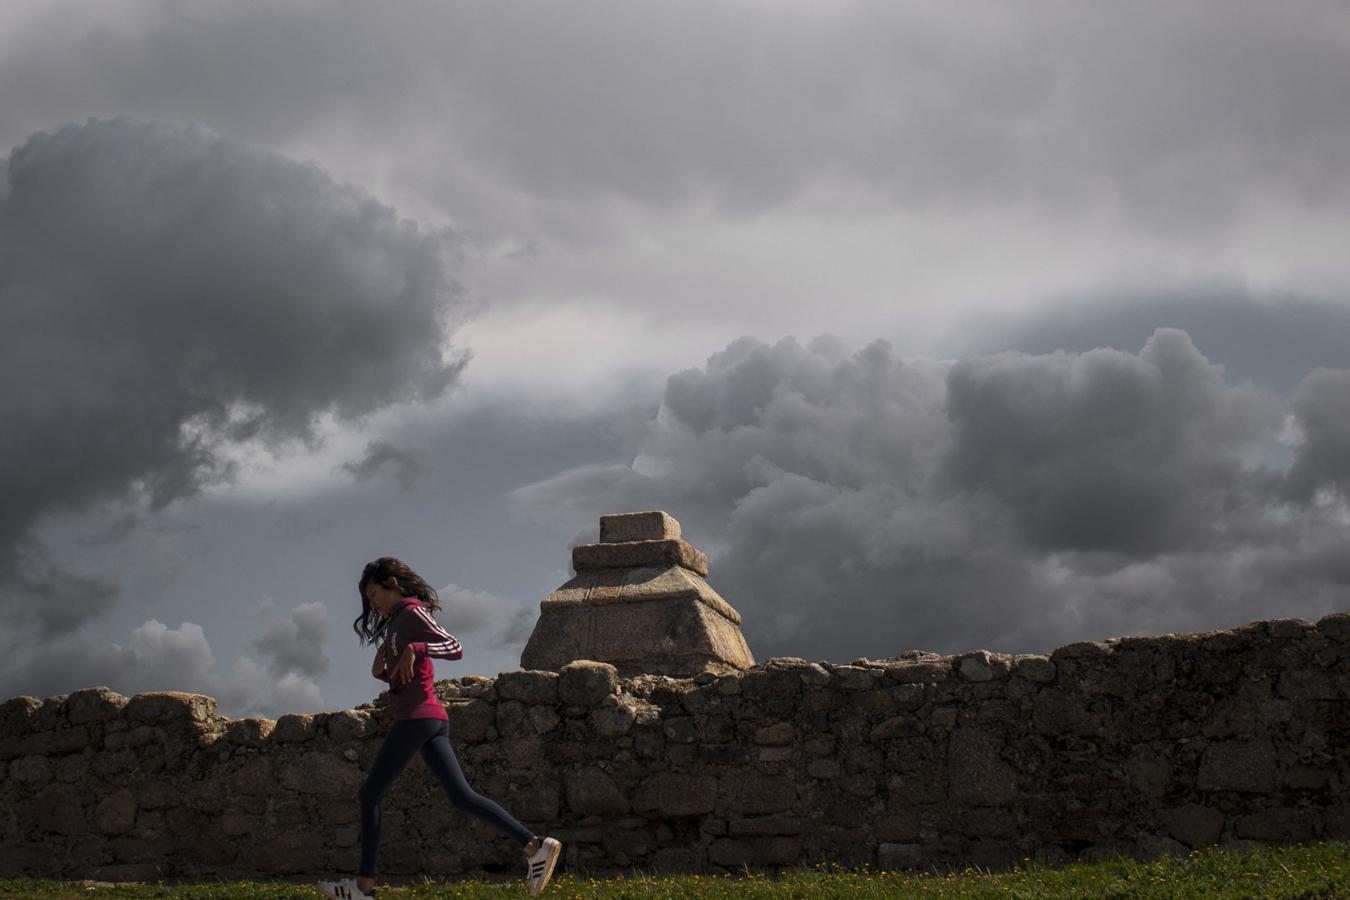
{"x": 432, "y": 737}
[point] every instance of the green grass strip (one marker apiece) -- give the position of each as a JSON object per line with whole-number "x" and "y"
{"x": 1304, "y": 871}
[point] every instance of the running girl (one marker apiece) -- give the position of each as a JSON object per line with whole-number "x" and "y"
{"x": 396, "y": 608}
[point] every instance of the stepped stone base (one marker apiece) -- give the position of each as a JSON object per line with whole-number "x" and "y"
{"x": 639, "y": 603}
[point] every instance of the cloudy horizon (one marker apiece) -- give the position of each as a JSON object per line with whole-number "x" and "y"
{"x": 936, "y": 329}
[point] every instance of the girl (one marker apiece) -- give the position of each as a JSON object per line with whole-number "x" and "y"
{"x": 396, "y": 607}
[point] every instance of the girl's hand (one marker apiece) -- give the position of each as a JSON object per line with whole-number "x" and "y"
{"x": 404, "y": 666}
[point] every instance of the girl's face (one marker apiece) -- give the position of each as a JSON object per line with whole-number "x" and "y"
{"x": 381, "y": 598}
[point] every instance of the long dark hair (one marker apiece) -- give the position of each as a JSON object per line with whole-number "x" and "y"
{"x": 370, "y": 623}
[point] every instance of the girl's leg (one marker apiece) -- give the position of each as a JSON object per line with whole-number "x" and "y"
{"x": 440, "y": 759}
{"x": 404, "y": 737}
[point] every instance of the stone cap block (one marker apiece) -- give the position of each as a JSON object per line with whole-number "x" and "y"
{"x": 635, "y": 554}
{"x": 163, "y": 706}
{"x": 652, "y": 525}
{"x": 96, "y": 704}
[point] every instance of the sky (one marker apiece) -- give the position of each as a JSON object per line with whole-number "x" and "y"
{"x": 936, "y": 326}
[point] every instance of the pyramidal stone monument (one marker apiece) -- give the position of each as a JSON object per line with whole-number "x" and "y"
{"x": 639, "y": 602}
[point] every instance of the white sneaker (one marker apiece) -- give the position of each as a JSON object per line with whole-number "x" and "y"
{"x": 345, "y": 889}
{"x": 542, "y": 863}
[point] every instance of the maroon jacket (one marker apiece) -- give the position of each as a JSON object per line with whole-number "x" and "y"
{"x": 411, "y": 625}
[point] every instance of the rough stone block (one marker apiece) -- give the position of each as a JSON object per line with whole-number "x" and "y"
{"x": 676, "y": 794}
{"x": 16, "y": 713}
{"x": 1335, "y": 626}
{"x": 350, "y": 725}
{"x": 59, "y": 809}
{"x": 592, "y": 792}
{"x": 96, "y": 704}
{"x": 1282, "y": 824}
{"x": 756, "y": 794}
{"x": 1037, "y": 669}
{"x": 776, "y": 734}
{"x": 893, "y": 857}
{"x": 1082, "y": 650}
{"x": 1238, "y": 766}
{"x": 652, "y": 525}
{"x": 528, "y": 686}
{"x": 470, "y": 719}
{"x": 293, "y": 728}
{"x": 979, "y": 776}
{"x": 170, "y": 706}
{"x": 639, "y": 554}
{"x": 585, "y": 682}
{"x": 33, "y": 771}
{"x": 116, "y": 813}
{"x": 251, "y": 732}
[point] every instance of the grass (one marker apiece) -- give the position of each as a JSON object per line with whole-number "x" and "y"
{"x": 1320, "y": 870}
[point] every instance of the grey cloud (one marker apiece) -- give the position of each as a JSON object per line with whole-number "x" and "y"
{"x": 1107, "y": 451}
{"x": 496, "y": 622}
{"x": 165, "y": 293}
{"x": 1269, "y": 339}
{"x": 294, "y": 643}
{"x": 1159, "y": 113}
{"x": 47, "y": 598}
{"x": 382, "y": 456}
{"x": 155, "y": 657}
{"x": 863, "y": 504}
{"x": 1321, "y": 405}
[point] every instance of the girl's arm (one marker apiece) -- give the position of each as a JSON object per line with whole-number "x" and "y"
{"x": 429, "y": 638}
{"x": 378, "y": 668}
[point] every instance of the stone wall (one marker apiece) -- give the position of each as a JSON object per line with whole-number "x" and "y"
{"x": 1141, "y": 745}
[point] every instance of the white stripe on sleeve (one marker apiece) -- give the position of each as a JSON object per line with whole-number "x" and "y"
{"x": 447, "y": 647}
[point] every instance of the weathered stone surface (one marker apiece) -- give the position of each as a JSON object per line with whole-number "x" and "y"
{"x": 116, "y": 813}
{"x": 638, "y": 555}
{"x": 45, "y": 743}
{"x": 674, "y": 794}
{"x": 899, "y": 856}
{"x": 1192, "y": 824}
{"x": 251, "y": 732}
{"x": 979, "y": 776}
{"x": 641, "y": 605}
{"x": 586, "y": 682}
{"x": 293, "y": 728}
{"x": 1238, "y": 766}
{"x": 17, "y": 712}
{"x": 31, "y": 770}
{"x": 470, "y": 719}
{"x": 652, "y": 525}
{"x": 592, "y": 792}
{"x": 170, "y": 706}
{"x": 350, "y": 725}
{"x": 528, "y": 686}
{"x": 97, "y": 704}
{"x": 58, "y": 809}
{"x": 1281, "y": 824}
{"x": 777, "y": 734}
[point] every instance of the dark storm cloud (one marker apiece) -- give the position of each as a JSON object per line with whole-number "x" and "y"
{"x": 1322, "y": 406}
{"x": 864, "y": 504}
{"x": 1169, "y": 115}
{"x": 1105, "y": 450}
{"x": 165, "y": 293}
{"x": 382, "y": 456}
